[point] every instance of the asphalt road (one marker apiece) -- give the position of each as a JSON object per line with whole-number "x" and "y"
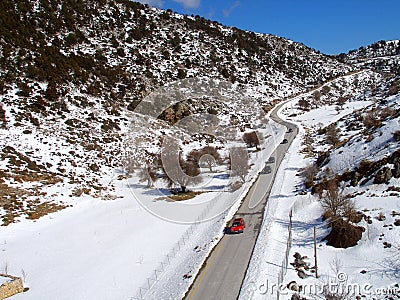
{"x": 223, "y": 273}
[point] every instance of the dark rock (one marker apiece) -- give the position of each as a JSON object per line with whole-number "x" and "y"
{"x": 395, "y": 156}
{"x": 94, "y": 167}
{"x": 381, "y": 217}
{"x": 302, "y": 274}
{"x": 323, "y": 159}
{"x": 383, "y": 176}
{"x": 368, "y": 168}
{"x": 387, "y": 245}
{"x": 354, "y": 182}
{"x": 295, "y": 297}
{"x": 364, "y": 167}
{"x": 397, "y": 222}
{"x": 299, "y": 263}
{"x": 297, "y": 255}
{"x": 348, "y": 176}
{"x": 396, "y": 169}
{"x": 344, "y": 234}
{"x": 293, "y": 286}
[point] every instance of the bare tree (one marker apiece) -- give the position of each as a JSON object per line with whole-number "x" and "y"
{"x": 349, "y": 209}
{"x": 194, "y": 156}
{"x": 251, "y": 139}
{"x": 371, "y": 119}
{"x": 336, "y": 265}
{"x": 341, "y": 101}
{"x": 332, "y": 198}
{"x": 317, "y": 97}
{"x": 391, "y": 264}
{"x": 239, "y": 163}
{"x": 149, "y": 174}
{"x": 304, "y": 104}
{"x": 208, "y": 155}
{"x": 309, "y": 173}
{"x": 130, "y": 165}
{"x": 177, "y": 170}
{"x": 183, "y": 174}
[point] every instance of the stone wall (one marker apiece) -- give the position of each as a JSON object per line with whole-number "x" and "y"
{"x": 11, "y": 287}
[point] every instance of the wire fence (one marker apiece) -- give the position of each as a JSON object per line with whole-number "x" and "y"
{"x": 296, "y": 207}
{"x": 285, "y": 260}
{"x": 144, "y": 290}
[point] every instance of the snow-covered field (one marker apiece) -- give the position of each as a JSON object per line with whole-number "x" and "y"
{"x": 371, "y": 267}
{"x": 116, "y": 249}
{"x": 93, "y": 250}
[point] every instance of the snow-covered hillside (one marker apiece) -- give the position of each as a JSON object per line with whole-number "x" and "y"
{"x": 90, "y": 92}
{"x": 382, "y": 56}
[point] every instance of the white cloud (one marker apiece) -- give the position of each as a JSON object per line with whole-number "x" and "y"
{"x": 189, "y": 3}
{"x": 157, "y": 3}
{"x": 227, "y": 12}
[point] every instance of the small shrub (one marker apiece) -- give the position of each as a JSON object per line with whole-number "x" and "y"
{"x": 133, "y": 104}
{"x": 364, "y": 167}
{"x": 371, "y": 120}
{"x": 182, "y": 73}
{"x": 309, "y": 173}
{"x": 121, "y": 52}
{"x": 381, "y": 216}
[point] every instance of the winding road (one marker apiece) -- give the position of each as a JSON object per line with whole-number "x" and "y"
{"x": 224, "y": 270}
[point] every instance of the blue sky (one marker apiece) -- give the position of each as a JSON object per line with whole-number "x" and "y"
{"x": 331, "y": 27}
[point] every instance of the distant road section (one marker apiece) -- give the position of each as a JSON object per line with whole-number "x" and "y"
{"x": 223, "y": 272}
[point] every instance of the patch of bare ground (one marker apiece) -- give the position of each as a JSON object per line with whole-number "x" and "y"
{"x": 21, "y": 188}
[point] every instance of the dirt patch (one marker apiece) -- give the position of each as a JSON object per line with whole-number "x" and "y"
{"x": 181, "y": 196}
{"x": 17, "y": 200}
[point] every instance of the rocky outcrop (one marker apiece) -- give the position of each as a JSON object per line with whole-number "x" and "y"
{"x": 344, "y": 234}
{"x": 383, "y": 176}
{"x": 396, "y": 168}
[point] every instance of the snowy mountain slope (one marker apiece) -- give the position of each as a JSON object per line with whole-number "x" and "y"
{"x": 71, "y": 89}
{"x": 69, "y": 82}
{"x": 382, "y": 56}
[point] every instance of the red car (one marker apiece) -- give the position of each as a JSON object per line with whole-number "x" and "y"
{"x": 238, "y": 226}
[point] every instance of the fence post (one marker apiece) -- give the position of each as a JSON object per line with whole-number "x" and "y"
{"x": 315, "y": 252}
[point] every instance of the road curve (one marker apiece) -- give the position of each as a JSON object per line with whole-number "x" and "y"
{"x": 224, "y": 270}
